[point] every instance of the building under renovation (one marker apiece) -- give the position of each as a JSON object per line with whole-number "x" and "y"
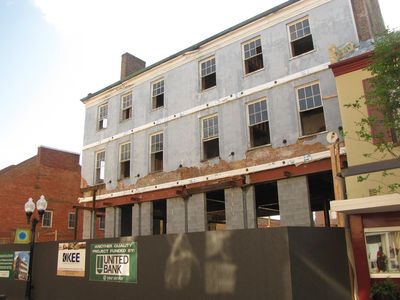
{"x": 229, "y": 133}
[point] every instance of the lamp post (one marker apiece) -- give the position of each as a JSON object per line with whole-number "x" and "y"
{"x": 41, "y": 206}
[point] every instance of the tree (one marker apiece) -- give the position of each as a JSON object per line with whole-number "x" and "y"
{"x": 382, "y": 127}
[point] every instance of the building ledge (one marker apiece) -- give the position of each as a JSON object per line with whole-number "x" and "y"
{"x": 373, "y": 204}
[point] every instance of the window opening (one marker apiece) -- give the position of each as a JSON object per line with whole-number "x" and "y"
{"x": 300, "y": 37}
{"x": 102, "y": 222}
{"x": 126, "y": 220}
{"x": 311, "y": 110}
{"x": 259, "y": 124}
{"x": 156, "y": 152}
{"x": 253, "y": 59}
{"x": 47, "y": 218}
{"x": 125, "y": 161}
{"x": 100, "y": 166}
{"x": 210, "y": 137}
{"x": 158, "y": 94}
{"x": 71, "y": 220}
{"x": 215, "y": 205}
{"x": 208, "y": 74}
{"x": 126, "y": 107}
{"x": 102, "y": 117}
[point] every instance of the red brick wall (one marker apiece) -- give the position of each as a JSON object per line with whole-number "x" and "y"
{"x": 52, "y": 173}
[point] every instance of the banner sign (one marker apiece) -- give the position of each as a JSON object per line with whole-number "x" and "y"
{"x": 71, "y": 259}
{"x": 21, "y": 265}
{"x": 22, "y": 236}
{"x": 6, "y": 264}
{"x": 116, "y": 262}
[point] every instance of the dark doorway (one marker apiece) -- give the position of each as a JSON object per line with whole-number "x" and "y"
{"x": 160, "y": 217}
{"x": 267, "y": 204}
{"x": 216, "y": 218}
{"x": 126, "y": 220}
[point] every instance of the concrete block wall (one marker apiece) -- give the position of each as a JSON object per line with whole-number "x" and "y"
{"x": 294, "y": 202}
{"x": 196, "y": 213}
{"x": 113, "y": 222}
{"x": 234, "y": 208}
{"x": 146, "y": 218}
{"x": 176, "y": 215}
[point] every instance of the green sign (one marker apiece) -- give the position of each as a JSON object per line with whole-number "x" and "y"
{"x": 6, "y": 264}
{"x": 116, "y": 262}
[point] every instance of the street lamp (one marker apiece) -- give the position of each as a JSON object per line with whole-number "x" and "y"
{"x": 41, "y": 206}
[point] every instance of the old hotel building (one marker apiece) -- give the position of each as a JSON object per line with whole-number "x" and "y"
{"x": 228, "y": 133}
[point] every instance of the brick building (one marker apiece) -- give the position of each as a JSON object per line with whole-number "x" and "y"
{"x": 52, "y": 173}
{"x": 228, "y": 133}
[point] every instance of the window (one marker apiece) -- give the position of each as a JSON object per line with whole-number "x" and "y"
{"x": 383, "y": 246}
{"x": 100, "y": 166}
{"x": 300, "y": 37}
{"x": 253, "y": 59}
{"x": 208, "y": 74}
{"x": 102, "y": 222}
{"x": 71, "y": 220}
{"x": 258, "y": 124}
{"x": 210, "y": 137}
{"x": 311, "y": 110}
{"x": 156, "y": 152}
{"x": 158, "y": 94}
{"x": 102, "y": 116}
{"x": 125, "y": 161}
{"x": 126, "y": 107}
{"x": 47, "y": 218}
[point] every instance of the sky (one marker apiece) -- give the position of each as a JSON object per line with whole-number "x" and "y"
{"x": 54, "y": 52}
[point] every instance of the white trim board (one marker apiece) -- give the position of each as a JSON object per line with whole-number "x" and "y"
{"x": 243, "y": 171}
{"x": 381, "y": 203}
{"x": 214, "y": 103}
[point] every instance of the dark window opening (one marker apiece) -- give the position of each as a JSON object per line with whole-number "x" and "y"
{"x": 101, "y": 214}
{"x": 254, "y": 63}
{"x": 312, "y": 121}
{"x": 321, "y": 191}
{"x": 302, "y": 45}
{"x": 208, "y": 81}
{"x": 158, "y": 101}
{"x": 211, "y": 148}
{"x": 125, "y": 169}
{"x": 127, "y": 113}
{"x": 103, "y": 124}
{"x": 267, "y": 204}
{"x": 126, "y": 220}
{"x": 215, "y": 204}
{"x": 259, "y": 134}
{"x": 157, "y": 161}
{"x": 160, "y": 217}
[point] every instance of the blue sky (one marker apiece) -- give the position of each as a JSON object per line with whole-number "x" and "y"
{"x": 54, "y": 52}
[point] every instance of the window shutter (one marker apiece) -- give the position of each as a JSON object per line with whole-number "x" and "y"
{"x": 378, "y": 128}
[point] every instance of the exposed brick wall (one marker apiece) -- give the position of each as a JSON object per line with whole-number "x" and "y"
{"x": 52, "y": 173}
{"x": 368, "y": 18}
{"x": 130, "y": 64}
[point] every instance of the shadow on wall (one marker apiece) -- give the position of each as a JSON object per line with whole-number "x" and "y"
{"x": 220, "y": 273}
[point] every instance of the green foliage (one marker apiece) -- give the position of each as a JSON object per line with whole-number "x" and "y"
{"x": 384, "y": 96}
{"x": 386, "y": 289}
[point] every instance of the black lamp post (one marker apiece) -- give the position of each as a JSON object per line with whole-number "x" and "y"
{"x": 41, "y": 206}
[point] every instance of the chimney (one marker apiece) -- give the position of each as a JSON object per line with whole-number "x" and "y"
{"x": 130, "y": 64}
{"x": 368, "y": 17}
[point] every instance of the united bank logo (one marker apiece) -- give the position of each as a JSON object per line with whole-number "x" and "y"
{"x": 112, "y": 265}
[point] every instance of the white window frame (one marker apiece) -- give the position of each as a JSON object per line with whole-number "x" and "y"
{"x": 203, "y": 139}
{"x": 248, "y": 121}
{"x": 68, "y": 223}
{"x": 155, "y": 95}
{"x": 244, "y": 58}
{"x": 299, "y": 110}
{"x": 203, "y": 61}
{"x": 51, "y": 219}
{"x": 99, "y": 180}
{"x": 102, "y": 118}
{"x": 290, "y": 37}
{"x": 121, "y": 160}
{"x": 380, "y": 230}
{"x": 123, "y": 98}
{"x": 151, "y": 152}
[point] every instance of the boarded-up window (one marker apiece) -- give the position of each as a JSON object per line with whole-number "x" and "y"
{"x": 380, "y": 134}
